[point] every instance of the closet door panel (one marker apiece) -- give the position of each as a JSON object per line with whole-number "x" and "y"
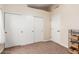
{"x": 27, "y": 33}
{"x": 18, "y": 29}
{"x": 56, "y": 28}
{"x": 12, "y": 26}
{"x": 38, "y": 29}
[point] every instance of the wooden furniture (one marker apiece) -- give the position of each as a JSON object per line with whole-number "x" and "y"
{"x": 73, "y": 41}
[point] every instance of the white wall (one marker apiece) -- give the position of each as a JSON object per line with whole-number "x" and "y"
{"x": 35, "y": 12}
{"x": 69, "y": 20}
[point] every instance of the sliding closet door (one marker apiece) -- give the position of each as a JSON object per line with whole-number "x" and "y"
{"x": 28, "y": 28}
{"x": 18, "y": 29}
{"x": 11, "y": 29}
{"x": 23, "y": 29}
{"x": 38, "y": 26}
{"x": 55, "y": 23}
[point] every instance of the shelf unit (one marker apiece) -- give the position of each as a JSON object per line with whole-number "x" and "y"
{"x": 73, "y": 41}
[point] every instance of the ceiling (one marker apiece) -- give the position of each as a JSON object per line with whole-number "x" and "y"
{"x": 45, "y": 7}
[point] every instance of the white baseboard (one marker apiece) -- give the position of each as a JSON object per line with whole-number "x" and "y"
{"x": 46, "y": 40}
{"x": 59, "y": 43}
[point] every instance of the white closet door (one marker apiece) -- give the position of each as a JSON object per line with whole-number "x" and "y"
{"x": 11, "y": 29}
{"x": 28, "y": 28}
{"x": 38, "y": 26}
{"x": 18, "y": 29}
{"x": 56, "y": 28}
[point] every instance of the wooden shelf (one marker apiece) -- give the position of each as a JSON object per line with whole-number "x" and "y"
{"x": 77, "y": 41}
{"x": 74, "y": 48}
{"x": 73, "y": 41}
{"x": 73, "y": 52}
{"x": 74, "y": 37}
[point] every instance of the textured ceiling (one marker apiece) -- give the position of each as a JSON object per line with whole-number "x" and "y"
{"x": 45, "y": 7}
{"x": 39, "y": 5}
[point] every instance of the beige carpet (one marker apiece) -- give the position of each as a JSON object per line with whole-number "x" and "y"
{"x": 38, "y": 48}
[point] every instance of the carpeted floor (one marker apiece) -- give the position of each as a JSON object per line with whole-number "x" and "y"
{"x": 48, "y": 47}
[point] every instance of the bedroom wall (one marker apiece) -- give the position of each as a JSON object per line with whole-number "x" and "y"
{"x": 69, "y": 20}
{"x": 35, "y": 12}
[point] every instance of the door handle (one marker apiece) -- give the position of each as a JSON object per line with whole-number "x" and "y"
{"x": 21, "y": 31}
{"x": 58, "y": 30}
{"x": 32, "y": 31}
{"x": 5, "y": 32}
